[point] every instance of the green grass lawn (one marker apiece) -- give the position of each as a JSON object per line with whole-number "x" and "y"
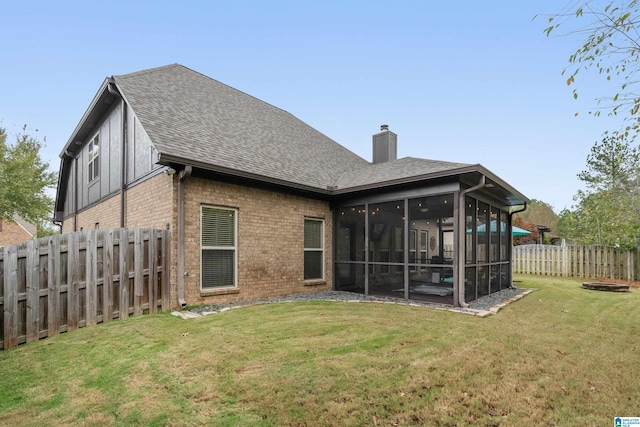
{"x": 560, "y": 356}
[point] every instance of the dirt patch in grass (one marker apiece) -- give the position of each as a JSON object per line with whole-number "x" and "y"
{"x": 631, "y": 283}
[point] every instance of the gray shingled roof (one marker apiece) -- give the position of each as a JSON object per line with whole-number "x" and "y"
{"x": 190, "y": 116}
{"x": 196, "y": 120}
{"x": 30, "y": 228}
{"x": 400, "y": 169}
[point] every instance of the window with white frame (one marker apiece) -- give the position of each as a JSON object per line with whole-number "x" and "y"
{"x": 219, "y": 247}
{"x": 94, "y": 158}
{"x": 313, "y": 249}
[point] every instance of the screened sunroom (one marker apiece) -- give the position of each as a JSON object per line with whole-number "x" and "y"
{"x": 446, "y": 241}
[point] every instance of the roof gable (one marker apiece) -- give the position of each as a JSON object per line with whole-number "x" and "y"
{"x": 194, "y": 120}
{"x": 190, "y": 116}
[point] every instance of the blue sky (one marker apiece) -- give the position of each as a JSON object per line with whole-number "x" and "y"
{"x": 466, "y": 81}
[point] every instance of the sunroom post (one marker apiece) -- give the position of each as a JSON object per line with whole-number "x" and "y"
{"x": 406, "y": 248}
{"x": 366, "y": 248}
{"x": 457, "y": 243}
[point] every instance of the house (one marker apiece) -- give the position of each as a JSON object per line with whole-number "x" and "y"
{"x": 16, "y": 230}
{"x": 260, "y": 204}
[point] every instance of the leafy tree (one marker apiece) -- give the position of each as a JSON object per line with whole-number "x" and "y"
{"x": 611, "y": 46}
{"x": 608, "y": 212}
{"x": 24, "y": 179}
{"x": 525, "y": 224}
{"x": 600, "y": 218}
{"x": 540, "y": 213}
{"x": 47, "y": 228}
{"x": 612, "y": 164}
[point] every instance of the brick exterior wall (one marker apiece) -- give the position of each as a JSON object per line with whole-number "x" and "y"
{"x": 11, "y": 232}
{"x": 270, "y": 241}
{"x": 148, "y": 204}
{"x": 106, "y": 214}
{"x": 151, "y": 203}
{"x": 270, "y": 234}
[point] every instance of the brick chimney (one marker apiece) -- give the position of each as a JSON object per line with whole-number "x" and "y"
{"x": 385, "y": 145}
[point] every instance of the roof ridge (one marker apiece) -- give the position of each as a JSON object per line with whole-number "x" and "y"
{"x": 239, "y": 91}
{"x": 177, "y": 65}
{"x": 256, "y": 98}
{"x": 149, "y": 70}
{"x": 183, "y": 110}
{"x": 422, "y": 159}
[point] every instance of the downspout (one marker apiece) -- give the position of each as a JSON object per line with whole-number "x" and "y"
{"x": 185, "y": 173}
{"x": 123, "y": 156}
{"x": 123, "y": 170}
{"x": 461, "y": 238}
{"x": 524, "y": 208}
{"x": 76, "y": 184}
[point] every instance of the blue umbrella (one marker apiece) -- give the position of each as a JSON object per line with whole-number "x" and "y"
{"x": 515, "y": 231}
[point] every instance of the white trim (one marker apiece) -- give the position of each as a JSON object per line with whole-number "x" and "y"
{"x": 95, "y": 159}
{"x": 321, "y": 249}
{"x": 234, "y": 248}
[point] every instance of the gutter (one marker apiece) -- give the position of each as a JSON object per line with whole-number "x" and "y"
{"x": 461, "y": 238}
{"x": 184, "y": 174}
{"x": 75, "y": 192}
{"x": 165, "y": 159}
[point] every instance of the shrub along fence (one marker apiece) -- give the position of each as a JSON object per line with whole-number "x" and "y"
{"x": 577, "y": 261}
{"x": 63, "y": 282}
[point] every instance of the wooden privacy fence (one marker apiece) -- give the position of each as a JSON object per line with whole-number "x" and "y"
{"x": 576, "y": 261}
{"x": 63, "y": 282}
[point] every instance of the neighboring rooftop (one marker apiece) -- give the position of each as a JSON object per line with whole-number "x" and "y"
{"x": 32, "y": 229}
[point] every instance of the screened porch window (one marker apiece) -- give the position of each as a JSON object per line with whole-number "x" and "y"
{"x": 218, "y": 247}
{"x": 313, "y": 249}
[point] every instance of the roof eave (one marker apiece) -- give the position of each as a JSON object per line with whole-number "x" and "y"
{"x": 167, "y": 159}
{"x": 407, "y": 180}
{"x": 449, "y": 173}
{"x": 501, "y": 183}
{"x": 102, "y": 97}
{"x": 61, "y": 188}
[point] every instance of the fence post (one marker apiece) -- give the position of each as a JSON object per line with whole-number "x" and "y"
{"x": 54, "y": 264}
{"x": 107, "y": 281}
{"x": 124, "y": 274}
{"x": 33, "y": 290}
{"x": 91, "y": 277}
{"x": 152, "y": 281}
{"x": 138, "y": 276}
{"x": 166, "y": 269}
{"x": 73, "y": 297}
{"x": 10, "y": 296}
